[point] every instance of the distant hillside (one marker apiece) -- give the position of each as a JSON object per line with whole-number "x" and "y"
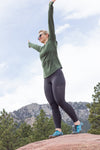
{"x": 29, "y": 112}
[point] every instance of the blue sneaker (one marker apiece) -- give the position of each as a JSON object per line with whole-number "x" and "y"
{"x": 78, "y": 128}
{"x": 55, "y": 134}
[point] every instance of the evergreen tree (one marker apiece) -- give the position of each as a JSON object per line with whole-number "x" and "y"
{"x": 1, "y": 146}
{"x": 94, "y": 117}
{"x": 24, "y": 135}
{"x": 66, "y": 129}
{"x": 12, "y": 136}
{"x": 41, "y": 126}
{"x": 7, "y": 131}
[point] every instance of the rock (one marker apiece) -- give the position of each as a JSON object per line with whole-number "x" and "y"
{"x": 30, "y": 121}
{"x": 67, "y": 142}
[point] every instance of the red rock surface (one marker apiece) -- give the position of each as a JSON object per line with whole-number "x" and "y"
{"x": 67, "y": 142}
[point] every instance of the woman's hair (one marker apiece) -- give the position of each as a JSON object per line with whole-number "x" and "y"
{"x": 44, "y": 31}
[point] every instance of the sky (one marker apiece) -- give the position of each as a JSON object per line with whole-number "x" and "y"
{"x": 77, "y": 27}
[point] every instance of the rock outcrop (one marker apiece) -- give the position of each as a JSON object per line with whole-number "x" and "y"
{"x": 67, "y": 142}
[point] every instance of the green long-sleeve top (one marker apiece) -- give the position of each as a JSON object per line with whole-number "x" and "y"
{"x": 48, "y": 52}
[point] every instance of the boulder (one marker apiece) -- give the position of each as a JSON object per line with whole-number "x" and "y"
{"x": 83, "y": 141}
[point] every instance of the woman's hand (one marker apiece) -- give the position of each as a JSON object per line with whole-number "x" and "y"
{"x": 28, "y": 43}
{"x": 53, "y": 0}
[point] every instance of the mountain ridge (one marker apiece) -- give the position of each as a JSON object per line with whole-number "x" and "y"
{"x": 29, "y": 112}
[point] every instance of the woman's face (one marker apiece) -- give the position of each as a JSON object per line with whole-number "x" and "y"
{"x": 43, "y": 37}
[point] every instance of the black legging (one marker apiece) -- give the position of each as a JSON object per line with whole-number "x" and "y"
{"x": 54, "y": 87}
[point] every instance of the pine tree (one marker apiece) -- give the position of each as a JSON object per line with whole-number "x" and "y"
{"x": 23, "y": 135}
{"x": 7, "y": 131}
{"x": 12, "y": 136}
{"x": 66, "y": 129}
{"x": 41, "y": 126}
{"x": 1, "y": 146}
{"x": 94, "y": 117}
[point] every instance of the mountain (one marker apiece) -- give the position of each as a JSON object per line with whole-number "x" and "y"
{"x": 28, "y": 113}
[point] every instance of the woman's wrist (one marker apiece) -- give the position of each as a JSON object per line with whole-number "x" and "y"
{"x": 29, "y": 44}
{"x": 51, "y": 2}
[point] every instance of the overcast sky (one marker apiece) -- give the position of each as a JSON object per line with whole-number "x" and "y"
{"x": 77, "y": 25}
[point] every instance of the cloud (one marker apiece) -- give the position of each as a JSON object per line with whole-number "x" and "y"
{"x": 76, "y": 9}
{"x": 16, "y": 11}
{"x": 24, "y": 89}
{"x": 71, "y": 9}
{"x": 81, "y": 67}
{"x": 24, "y": 93}
{"x": 18, "y": 93}
{"x": 99, "y": 22}
{"x": 2, "y": 66}
{"x": 62, "y": 28}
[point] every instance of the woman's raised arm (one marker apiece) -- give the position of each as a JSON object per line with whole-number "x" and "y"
{"x": 51, "y": 27}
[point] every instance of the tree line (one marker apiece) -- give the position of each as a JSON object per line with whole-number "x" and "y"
{"x": 14, "y": 135}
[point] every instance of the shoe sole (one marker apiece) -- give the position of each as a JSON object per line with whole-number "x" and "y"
{"x": 54, "y": 136}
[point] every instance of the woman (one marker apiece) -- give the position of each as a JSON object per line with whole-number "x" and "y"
{"x": 54, "y": 82}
